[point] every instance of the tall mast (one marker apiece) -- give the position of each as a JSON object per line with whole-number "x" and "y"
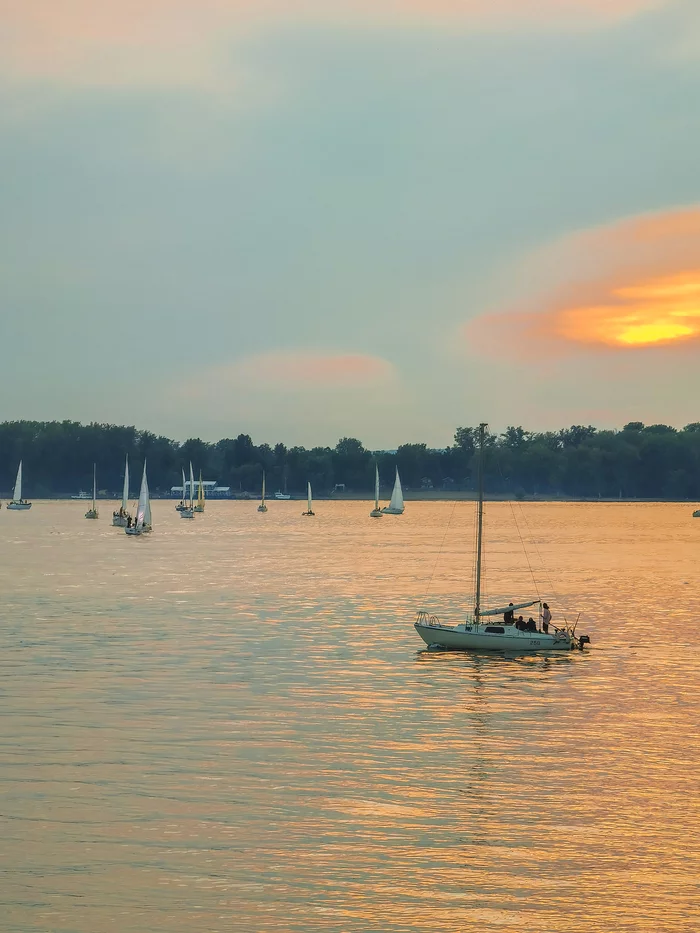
{"x": 480, "y": 525}
{"x": 94, "y": 485}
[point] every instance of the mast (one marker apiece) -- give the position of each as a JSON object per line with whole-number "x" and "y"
{"x": 263, "y": 489}
{"x": 480, "y": 523}
{"x": 94, "y": 485}
{"x": 125, "y": 491}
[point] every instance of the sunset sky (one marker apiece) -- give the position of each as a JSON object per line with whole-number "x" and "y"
{"x": 381, "y": 219}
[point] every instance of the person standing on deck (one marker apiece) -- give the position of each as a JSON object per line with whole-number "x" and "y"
{"x": 546, "y": 618}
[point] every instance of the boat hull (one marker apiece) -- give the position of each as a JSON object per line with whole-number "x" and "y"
{"x": 390, "y": 511}
{"x": 144, "y": 530}
{"x": 696, "y": 513}
{"x": 199, "y": 508}
{"x": 19, "y": 506}
{"x": 460, "y": 638}
{"x": 186, "y": 513}
{"x": 262, "y": 508}
{"x": 376, "y": 513}
{"x": 92, "y": 514}
{"x": 119, "y": 521}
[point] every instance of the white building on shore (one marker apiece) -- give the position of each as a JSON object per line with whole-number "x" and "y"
{"x": 211, "y": 490}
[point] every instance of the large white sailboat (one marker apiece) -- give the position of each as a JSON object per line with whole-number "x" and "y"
{"x": 17, "y": 503}
{"x": 475, "y": 634}
{"x": 200, "y": 495}
{"x": 395, "y": 506}
{"x": 309, "y": 501}
{"x": 92, "y": 512}
{"x": 143, "y": 523}
{"x": 188, "y": 510}
{"x": 121, "y": 516}
{"x": 376, "y": 511}
{"x": 262, "y": 507}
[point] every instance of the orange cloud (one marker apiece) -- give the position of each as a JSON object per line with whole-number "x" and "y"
{"x": 632, "y": 285}
{"x": 184, "y": 41}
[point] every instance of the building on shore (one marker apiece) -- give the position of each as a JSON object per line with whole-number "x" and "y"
{"x": 211, "y": 490}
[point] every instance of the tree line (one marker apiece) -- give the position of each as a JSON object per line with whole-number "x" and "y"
{"x": 639, "y": 461}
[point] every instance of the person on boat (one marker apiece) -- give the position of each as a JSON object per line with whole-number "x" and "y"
{"x": 546, "y": 618}
{"x": 531, "y": 625}
{"x": 520, "y": 624}
{"x": 128, "y": 522}
{"x": 508, "y": 615}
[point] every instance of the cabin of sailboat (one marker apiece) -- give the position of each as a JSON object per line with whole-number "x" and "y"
{"x": 395, "y": 506}
{"x": 262, "y": 507}
{"x": 143, "y": 523}
{"x": 376, "y": 511}
{"x": 121, "y": 516}
{"x": 476, "y": 635}
{"x": 92, "y": 512}
{"x": 309, "y": 501}
{"x": 17, "y": 503}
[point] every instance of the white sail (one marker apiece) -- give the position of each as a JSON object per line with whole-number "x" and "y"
{"x": 184, "y": 488}
{"x": 308, "y": 496}
{"x": 191, "y": 487}
{"x": 376, "y": 486}
{"x": 143, "y": 510}
{"x": 395, "y": 506}
{"x": 263, "y": 489}
{"x": 17, "y": 494}
{"x": 125, "y": 490}
{"x": 94, "y": 486}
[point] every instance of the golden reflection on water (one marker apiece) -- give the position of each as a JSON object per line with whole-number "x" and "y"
{"x": 231, "y": 725}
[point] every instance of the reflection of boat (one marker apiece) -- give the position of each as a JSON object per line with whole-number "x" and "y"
{"x": 475, "y": 635}
{"x": 262, "y": 507}
{"x": 200, "y": 495}
{"x": 376, "y": 511}
{"x": 121, "y": 516}
{"x": 395, "y": 506}
{"x": 187, "y": 511}
{"x": 17, "y": 504}
{"x": 309, "y": 503}
{"x": 93, "y": 513}
{"x": 143, "y": 522}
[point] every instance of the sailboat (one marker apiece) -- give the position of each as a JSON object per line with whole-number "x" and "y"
{"x": 200, "y": 495}
{"x": 17, "y": 503}
{"x": 93, "y": 513}
{"x": 376, "y": 511}
{"x": 309, "y": 503}
{"x": 120, "y": 517}
{"x": 395, "y": 506}
{"x": 187, "y": 511}
{"x": 143, "y": 523}
{"x": 262, "y": 507}
{"x": 283, "y": 495}
{"x": 474, "y": 634}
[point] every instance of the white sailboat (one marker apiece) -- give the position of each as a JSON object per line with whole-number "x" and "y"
{"x": 121, "y": 516}
{"x": 395, "y": 506}
{"x": 696, "y": 513}
{"x": 200, "y": 495}
{"x": 93, "y": 513}
{"x": 376, "y": 511}
{"x": 476, "y": 635}
{"x": 280, "y": 494}
{"x": 143, "y": 523}
{"x": 309, "y": 502}
{"x": 262, "y": 507}
{"x": 17, "y": 503}
{"x": 187, "y": 510}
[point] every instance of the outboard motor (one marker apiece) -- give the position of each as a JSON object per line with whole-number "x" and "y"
{"x": 583, "y": 640}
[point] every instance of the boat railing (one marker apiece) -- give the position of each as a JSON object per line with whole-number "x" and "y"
{"x": 424, "y": 618}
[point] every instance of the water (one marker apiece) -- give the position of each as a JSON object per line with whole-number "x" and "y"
{"x": 231, "y": 725}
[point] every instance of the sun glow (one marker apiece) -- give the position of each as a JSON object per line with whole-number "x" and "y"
{"x": 658, "y": 311}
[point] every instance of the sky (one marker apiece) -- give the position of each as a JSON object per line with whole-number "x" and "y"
{"x": 382, "y": 219}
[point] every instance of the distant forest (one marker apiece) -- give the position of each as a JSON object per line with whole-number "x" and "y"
{"x": 640, "y": 461}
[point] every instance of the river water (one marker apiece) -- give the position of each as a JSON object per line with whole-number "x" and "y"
{"x": 232, "y": 725}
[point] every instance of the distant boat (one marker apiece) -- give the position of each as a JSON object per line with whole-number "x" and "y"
{"x": 93, "y": 513}
{"x": 143, "y": 524}
{"x": 200, "y": 495}
{"x": 187, "y": 510}
{"x": 17, "y": 503}
{"x": 309, "y": 502}
{"x": 121, "y": 516}
{"x": 376, "y": 511}
{"x": 696, "y": 513}
{"x": 395, "y": 506}
{"x": 262, "y": 507}
{"x": 476, "y": 633}
{"x": 280, "y": 494}
{"x": 82, "y": 495}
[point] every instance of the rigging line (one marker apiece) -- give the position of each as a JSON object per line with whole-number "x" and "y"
{"x": 439, "y": 554}
{"x": 544, "y": 566}
{"x": 517, "y": 528}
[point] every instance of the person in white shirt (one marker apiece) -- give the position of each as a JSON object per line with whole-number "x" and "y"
{"x": 546, "y": 618}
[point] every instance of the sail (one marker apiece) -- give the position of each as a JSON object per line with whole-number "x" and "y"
{"x": 376, "y": 486}
{"x": 94, "y": 486}
{"x": 184, "y": 488}
{"x": 125, "y": 490}
{"x": 143, "y": 509}
{"x": 17, "y": 494}
{"x": 191, "y": 486}
{"x": 308, "y": 496}
{"x": 499, "y": 612}
{"x": 200, "y": 492}
{"x": 263, "y": 489}
{"x": 397, "y": 494}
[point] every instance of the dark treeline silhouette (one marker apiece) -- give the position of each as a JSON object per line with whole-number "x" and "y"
{"x": 640, "y": 461}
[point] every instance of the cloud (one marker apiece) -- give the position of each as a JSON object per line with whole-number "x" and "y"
{"x": 629, "y": 286}
{"x": 187, "y": 42}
